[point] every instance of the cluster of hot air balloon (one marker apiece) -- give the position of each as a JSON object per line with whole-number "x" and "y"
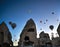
{"x": 44, "y": 22}
{"x": 51, "y": 26}
{"x": 13, "y": 25}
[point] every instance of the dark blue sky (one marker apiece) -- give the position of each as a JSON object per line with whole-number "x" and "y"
{"x": 20, "y": 11}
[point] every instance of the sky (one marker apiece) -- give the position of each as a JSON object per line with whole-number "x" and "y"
{"x": 20, "y": 11}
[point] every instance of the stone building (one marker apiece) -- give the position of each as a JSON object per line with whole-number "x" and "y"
{"x": 5, "y": 35}
{"x": 44, "y": 40}
{"x": 28, "y": 36}
{"x": 56, "y": 40}
{"x": 58, "y": 30}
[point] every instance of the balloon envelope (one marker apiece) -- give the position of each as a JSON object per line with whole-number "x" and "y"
{"x": 13, "y": 25}
{"x": 52, "y": 12}
{"x": 44, "y": 23}
{"x": 57, "y": 19}
{"x": 40, "y": 21}
{"x": 51, "y": 27}
{"x": 30, "y": 11}
{"x": 10, "y": 22}
{"x": 46, "y": 20}
{"x": 15, "y": 40}
{"x": 40, "y": 28}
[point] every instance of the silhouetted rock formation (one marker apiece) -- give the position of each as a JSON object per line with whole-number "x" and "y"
{"x": 44, "y": 39}
{"x": 58, "y": 30}
{"x": 5, "y": 35}
{"x": 29, "y": 35}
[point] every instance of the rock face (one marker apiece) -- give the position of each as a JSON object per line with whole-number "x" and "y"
{"x": 5, "y": 35}
{"x": 28, "y": 35}
{"x": 58, "y": 30}
{"x": 56, "y": 42}
{"x": 44, "y": 39}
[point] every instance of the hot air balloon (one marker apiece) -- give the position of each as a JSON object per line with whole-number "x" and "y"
{"x": 13, "y": 25}
{"x": 52, "y": 12}
{"x": 40, "y": 28}
{"x": 51, "y": 27}
{"x": 10, "y": 22}
{"x": 46, "y": 20}
{"x": 15, "y": 40}
{"x": 41, "y": 21}
{"x": 44, "y": 23}
{"x": 29, "y": 11}
{"x": 57, "y": 19}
